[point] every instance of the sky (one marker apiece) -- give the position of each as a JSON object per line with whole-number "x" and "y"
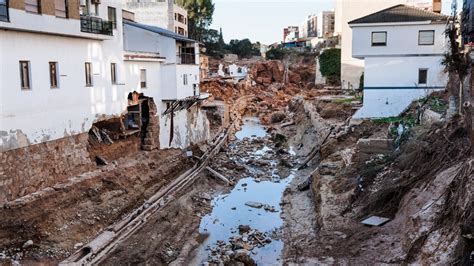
{"x": 264, "y": 20}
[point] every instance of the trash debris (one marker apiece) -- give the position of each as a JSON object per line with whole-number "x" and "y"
{"x": 254, "y": 204}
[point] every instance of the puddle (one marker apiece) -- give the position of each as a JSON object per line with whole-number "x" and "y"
{"x": 230, "y": 210}
{"x": 251, "y": 129}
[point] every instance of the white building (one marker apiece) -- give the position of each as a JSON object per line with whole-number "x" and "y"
{"x": 160, "y": 13}
{"x": 325, "y": 24}
{"x": 63, "y": 71}
{"x": 173, "y": 61}
{"x": 402, "y": 48}
{"x": 348, "y": 10}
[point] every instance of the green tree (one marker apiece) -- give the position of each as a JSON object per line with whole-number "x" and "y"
{"x": 243, "y": 48}
{"x": 330, "y": 62}
{"x": 199, "y": 16}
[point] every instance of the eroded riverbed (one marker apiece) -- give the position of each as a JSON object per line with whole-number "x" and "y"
{"x": 247, "y": 220}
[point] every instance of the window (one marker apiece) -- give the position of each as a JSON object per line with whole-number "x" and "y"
{"x": 422, "y": 76}
{"x": 89, "y": 82}
{"x": 185, "y": 79}
{"x": 53, "y": 75}
{"x": 25, "y": 75}
{"x": 426, "y": 37}
{"x": 113, "y": 72}
{"x": 4, "y": 10}
{"x": 379, "y": 38}
{"x": 112, "y": 16}
{"x": 61, "y": 8}
{"x": 33, "y": 6}
{"x": 143, "y": 78}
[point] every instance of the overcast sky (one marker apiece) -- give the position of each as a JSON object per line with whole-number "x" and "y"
{"x": 264, "y": 20}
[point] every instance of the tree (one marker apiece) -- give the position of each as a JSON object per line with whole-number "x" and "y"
{"x": 212, "y": 41}
{"x": 454, "y": 59}
{"x": 243, "y": 48}
{"x": 330, "y": 62}
{"x": 199, "y": 16}
{"x": 276, "y": 54}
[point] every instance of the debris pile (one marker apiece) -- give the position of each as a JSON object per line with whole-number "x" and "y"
{"x": 239, "y": 247}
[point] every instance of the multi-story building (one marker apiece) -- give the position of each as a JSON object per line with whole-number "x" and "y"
{"x": 69, "y": 66}
{"x": 325, "y": 24}
{"x": 160, "y": 13}
{"x": 467, "y": 17}
{"x": 403, "y": 48}
{"x": 290, "y": 30}
{"x": 308, "y": 28}
{"x": 348, "y": 10}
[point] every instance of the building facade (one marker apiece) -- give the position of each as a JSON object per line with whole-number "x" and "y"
{"x": 67, "y": 68}
{"x": 325, "y": 24}
{"x": 290, "y": 32}
{"x": 402, "y": 48}
{"x": 160, "y": 13}
{"x": 467, "y": 21}
{"x": 309, "y": 28}
{"x": 348, "y": 10}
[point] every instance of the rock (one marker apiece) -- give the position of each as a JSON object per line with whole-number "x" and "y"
{"x": 430, "y": 117}
{"x": 78, "y": 245}
{"x": 269, "y": 208}
{"x": 277, "y": 117}
{"x": 244, "y": 229}
{"x": 28, "y": 243}
{"x": 254, "y": 204}
{"x": 205, "y": 196}
{"x": 101, "y": 160}
{"x": 243, "y": 255}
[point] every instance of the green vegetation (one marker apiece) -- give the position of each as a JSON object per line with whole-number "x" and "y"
{"x": 244, "y": 48}
{"x": 349, "y": 100}
{"x": 330, "y": 61}
{"x": 199, "y": 17}
{"x": 276, "y": 54}
{"x": 436, "y": 104}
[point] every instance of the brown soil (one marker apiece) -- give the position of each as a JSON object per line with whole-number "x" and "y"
{"x": 75, "y": 211}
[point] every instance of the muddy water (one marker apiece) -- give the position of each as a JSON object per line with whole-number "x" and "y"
{"x": 230, "y": 209}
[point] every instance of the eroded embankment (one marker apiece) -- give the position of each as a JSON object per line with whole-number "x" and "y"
{"x": 424, "y": 187}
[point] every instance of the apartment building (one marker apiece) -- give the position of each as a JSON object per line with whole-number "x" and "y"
{"x": 348, "y": 10}
{"x": 160, "y": 13}
{"x": 325, "y": 24}
{"x": 309, "y": 27}
{"x": 467, "y": 18}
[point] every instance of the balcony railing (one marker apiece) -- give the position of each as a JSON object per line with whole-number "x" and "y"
{"x": 96, "y": 25}
{"x": 186, "y": 59}
{"x": 4, "y": 11}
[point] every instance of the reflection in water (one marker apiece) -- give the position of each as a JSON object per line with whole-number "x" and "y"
{"x": 251, "y": 129}
{"x": 229, "y": 210}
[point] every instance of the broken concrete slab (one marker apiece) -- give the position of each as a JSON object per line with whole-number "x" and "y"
{"x": 375, "y": 221}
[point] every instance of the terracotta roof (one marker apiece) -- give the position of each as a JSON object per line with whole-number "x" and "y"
{"x": 401, "y": 13}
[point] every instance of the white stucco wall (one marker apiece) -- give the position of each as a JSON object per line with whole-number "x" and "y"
{"x": 42, "y": 114}
{"x": 347, "y": 10}
{"x": 190, "y": 126}
{"x": 391, "y": 84}
{"x": 402, "y": 39}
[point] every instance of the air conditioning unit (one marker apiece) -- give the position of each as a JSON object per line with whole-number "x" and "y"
{"x": 95, "y": 1}
{"x": 82, "y": 2}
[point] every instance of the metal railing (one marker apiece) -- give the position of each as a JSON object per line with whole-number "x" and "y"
{"x": 96, "y": 25}
{"x": 4, "y": 11}
{"x": 186, "y": 59}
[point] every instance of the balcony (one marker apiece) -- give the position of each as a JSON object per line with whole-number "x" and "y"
{"x": 96, "y": 26}
{"x": 186, "y": 59}
{"x": 4, "y": 11}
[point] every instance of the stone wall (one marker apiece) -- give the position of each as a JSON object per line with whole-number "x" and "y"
{"x": 26, "y": 170}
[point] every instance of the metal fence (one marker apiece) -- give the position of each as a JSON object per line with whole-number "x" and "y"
{"x": 96, "y": 25}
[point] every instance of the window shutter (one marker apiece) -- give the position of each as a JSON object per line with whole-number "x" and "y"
{"x": 426, "y": 37}
{"x": 379, "y": 37}
{"x": 61, "y": 10}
